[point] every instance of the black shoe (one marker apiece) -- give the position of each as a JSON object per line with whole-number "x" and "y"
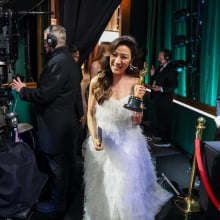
{"x": 156, "y": 138}
{"x": 162, "y": 144}
{"x": 49, "y": 207}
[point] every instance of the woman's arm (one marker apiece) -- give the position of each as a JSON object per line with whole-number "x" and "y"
{"x": 95, "y": 68}
{"x": 92, "y": 126}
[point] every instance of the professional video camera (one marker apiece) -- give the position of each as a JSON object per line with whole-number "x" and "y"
{"x": 8, "y": 56}
{"x": 8, "y": 120}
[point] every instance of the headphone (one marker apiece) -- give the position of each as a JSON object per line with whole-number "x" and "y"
{"x": 51, "y": 39}
{"x": 167, "y": 54}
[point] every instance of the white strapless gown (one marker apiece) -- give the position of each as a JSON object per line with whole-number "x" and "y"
{"x": 120, "y": 181}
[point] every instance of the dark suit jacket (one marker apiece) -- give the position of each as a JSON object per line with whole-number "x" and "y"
{"x": 56, "y": 98}
{"x": 168, "y": 79}
{"x": 218, "y": 105}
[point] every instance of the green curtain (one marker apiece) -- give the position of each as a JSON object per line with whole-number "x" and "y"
{"x": 210, "y": 53}
{"x": 160, "y": 31}
{"x": 180, "y": 53}
{"x": 200, "y": 83}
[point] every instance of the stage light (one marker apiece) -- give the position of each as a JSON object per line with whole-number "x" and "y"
{"x": 180, "y": 65}
{"x": 182, "y": 15}
{"x": 180, "y": 41}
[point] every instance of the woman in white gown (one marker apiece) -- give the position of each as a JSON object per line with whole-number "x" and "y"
{"x": 120, "y": 180}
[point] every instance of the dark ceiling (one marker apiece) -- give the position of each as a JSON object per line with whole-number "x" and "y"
{"x": 24, "y": 5}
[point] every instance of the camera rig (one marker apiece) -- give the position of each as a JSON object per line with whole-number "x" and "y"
{"x": 8, "y": 56}
{"x": 9, "y": 36}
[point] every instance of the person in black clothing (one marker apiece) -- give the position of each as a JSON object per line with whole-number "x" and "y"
{"x": 56, "y": 98}
{"x": 217, "y": 118}
{"x": 82, "y": 132}
{"x": 164, "y": 80}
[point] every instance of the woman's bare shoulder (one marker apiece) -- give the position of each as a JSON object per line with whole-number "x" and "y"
{"x": 132, "y": 80}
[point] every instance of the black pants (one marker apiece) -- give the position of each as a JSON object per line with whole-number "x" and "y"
{"x": 164, "y": 115}
{"x": 58, "y": 171}
{"x": 60, "y": 167}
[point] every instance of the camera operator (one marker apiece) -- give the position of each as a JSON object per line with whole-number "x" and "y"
{"x": 57, "y": 118}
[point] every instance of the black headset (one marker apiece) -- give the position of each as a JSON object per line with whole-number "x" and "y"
{"x": 51, "y": 39}
{"x": 167, "y": 54}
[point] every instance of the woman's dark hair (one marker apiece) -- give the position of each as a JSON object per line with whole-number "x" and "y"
{"x": 102, "y": 49}
{"x": 102, "y": 90}
{"x": 141, "y": 58}
{"x": 127, "y": 41}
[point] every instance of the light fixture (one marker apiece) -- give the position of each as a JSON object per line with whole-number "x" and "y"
{"x": 180, "y": 65}
{"x": 182, "y": 15}
{"x": 180, "y": 41}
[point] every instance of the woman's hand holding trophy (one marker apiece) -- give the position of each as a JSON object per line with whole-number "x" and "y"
{"x": 135, "y": 102}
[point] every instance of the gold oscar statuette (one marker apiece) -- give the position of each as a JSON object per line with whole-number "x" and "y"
{"x": 135, "y": 103}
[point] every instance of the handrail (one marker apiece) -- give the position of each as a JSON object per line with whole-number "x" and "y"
{"x": 194, "y": 105}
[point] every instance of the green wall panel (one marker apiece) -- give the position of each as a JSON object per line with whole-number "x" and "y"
{"x": 184, "y": 128}
{"x": 24, "y": 109}
{"x": 184, "y": 125}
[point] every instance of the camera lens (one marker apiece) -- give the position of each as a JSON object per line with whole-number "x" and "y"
{"x": 3, "y": 72}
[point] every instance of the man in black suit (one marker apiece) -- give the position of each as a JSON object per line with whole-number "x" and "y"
{"x": 55, "y": 98}
{"x": 217, "y": 119}
{"x": 164, "y": 80}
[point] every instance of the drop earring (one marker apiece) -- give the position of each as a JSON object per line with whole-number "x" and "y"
{"x": 131, "y": 67}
